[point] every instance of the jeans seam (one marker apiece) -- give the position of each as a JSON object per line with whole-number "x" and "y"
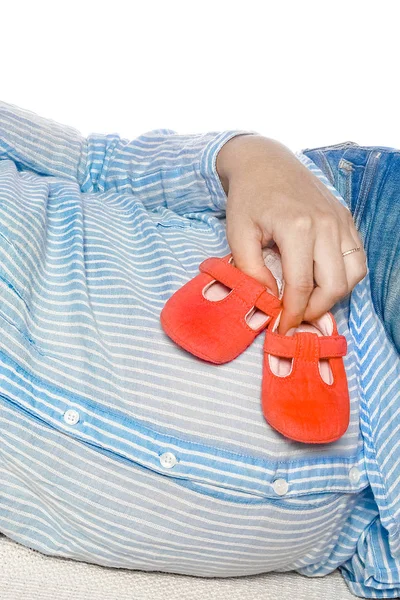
{"x": 328, "y": 168}
{"x": 383, "y": 149}
{"x": 332, "y": 146}
{"x": 367, "y": 180}
{"x": 380, "y": 149}
{"x": 348, "y": 186}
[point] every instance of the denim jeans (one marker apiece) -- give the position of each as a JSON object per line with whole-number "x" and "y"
{"x": 368, "y": 178}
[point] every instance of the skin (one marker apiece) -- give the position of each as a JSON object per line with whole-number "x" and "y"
{"x": 273, "y": 196}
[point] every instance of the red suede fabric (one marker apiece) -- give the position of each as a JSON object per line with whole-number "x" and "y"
{"x": 301, "y": 405}
{"x": 249, "y": 290}
{"x": 216, "y": 331}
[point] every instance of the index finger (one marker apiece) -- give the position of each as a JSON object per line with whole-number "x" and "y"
{"x": 297, "y": 252}
{"x": 248, "y": 257}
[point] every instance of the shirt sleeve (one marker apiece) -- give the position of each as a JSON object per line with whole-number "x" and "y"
{"x": 160, "y": 167}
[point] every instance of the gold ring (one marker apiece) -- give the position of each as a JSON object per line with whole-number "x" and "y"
{"x": 352, "y": 250}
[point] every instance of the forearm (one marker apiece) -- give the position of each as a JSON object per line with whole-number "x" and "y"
{"x": 256, "y": 155}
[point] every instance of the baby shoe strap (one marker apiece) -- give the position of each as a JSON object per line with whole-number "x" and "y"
{"x": 305, "y": 345}
{"x": 251, "y": 291}
{"x": 268, "y": 304}
{"x": 332, "y": 346}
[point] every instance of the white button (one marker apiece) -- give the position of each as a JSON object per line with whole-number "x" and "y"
{"x": 280, "y": 486}
{"x": 168, "y": 460}
{"x": 354, "y": 475}
{"x": 71, "y": 416}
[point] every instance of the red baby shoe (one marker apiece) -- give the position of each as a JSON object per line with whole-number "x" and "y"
{"x": 217, "y": 314}
{"x": 304, "y": 388}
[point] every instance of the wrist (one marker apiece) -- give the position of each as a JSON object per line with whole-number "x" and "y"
{"x": 226, "y": 157}
{"x": 245, "y": 153}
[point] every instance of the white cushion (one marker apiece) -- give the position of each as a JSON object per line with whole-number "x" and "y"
{"x": 26, "y": 574}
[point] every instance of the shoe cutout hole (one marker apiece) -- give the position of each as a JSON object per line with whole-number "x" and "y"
{"x": 255, "y": 318}
{"x": 282, "y": 367}
{"x": 215, "y": 291}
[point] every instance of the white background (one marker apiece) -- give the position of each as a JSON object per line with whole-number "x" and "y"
{"x": 307, "y": 73}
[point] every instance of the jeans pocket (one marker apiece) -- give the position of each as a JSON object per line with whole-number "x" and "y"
{"x": 356, "y": 173}
{"x": 344, "y": 168}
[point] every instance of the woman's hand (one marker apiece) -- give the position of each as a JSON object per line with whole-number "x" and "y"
{"x": 273, "y": 196}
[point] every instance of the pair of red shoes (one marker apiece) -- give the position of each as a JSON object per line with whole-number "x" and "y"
{"x": 217, "y": 315}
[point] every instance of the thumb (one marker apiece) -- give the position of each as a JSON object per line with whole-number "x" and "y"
{"x": 247, "y": 256}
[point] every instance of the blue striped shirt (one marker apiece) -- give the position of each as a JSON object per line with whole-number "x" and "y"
{"x": 119, "y": 448}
